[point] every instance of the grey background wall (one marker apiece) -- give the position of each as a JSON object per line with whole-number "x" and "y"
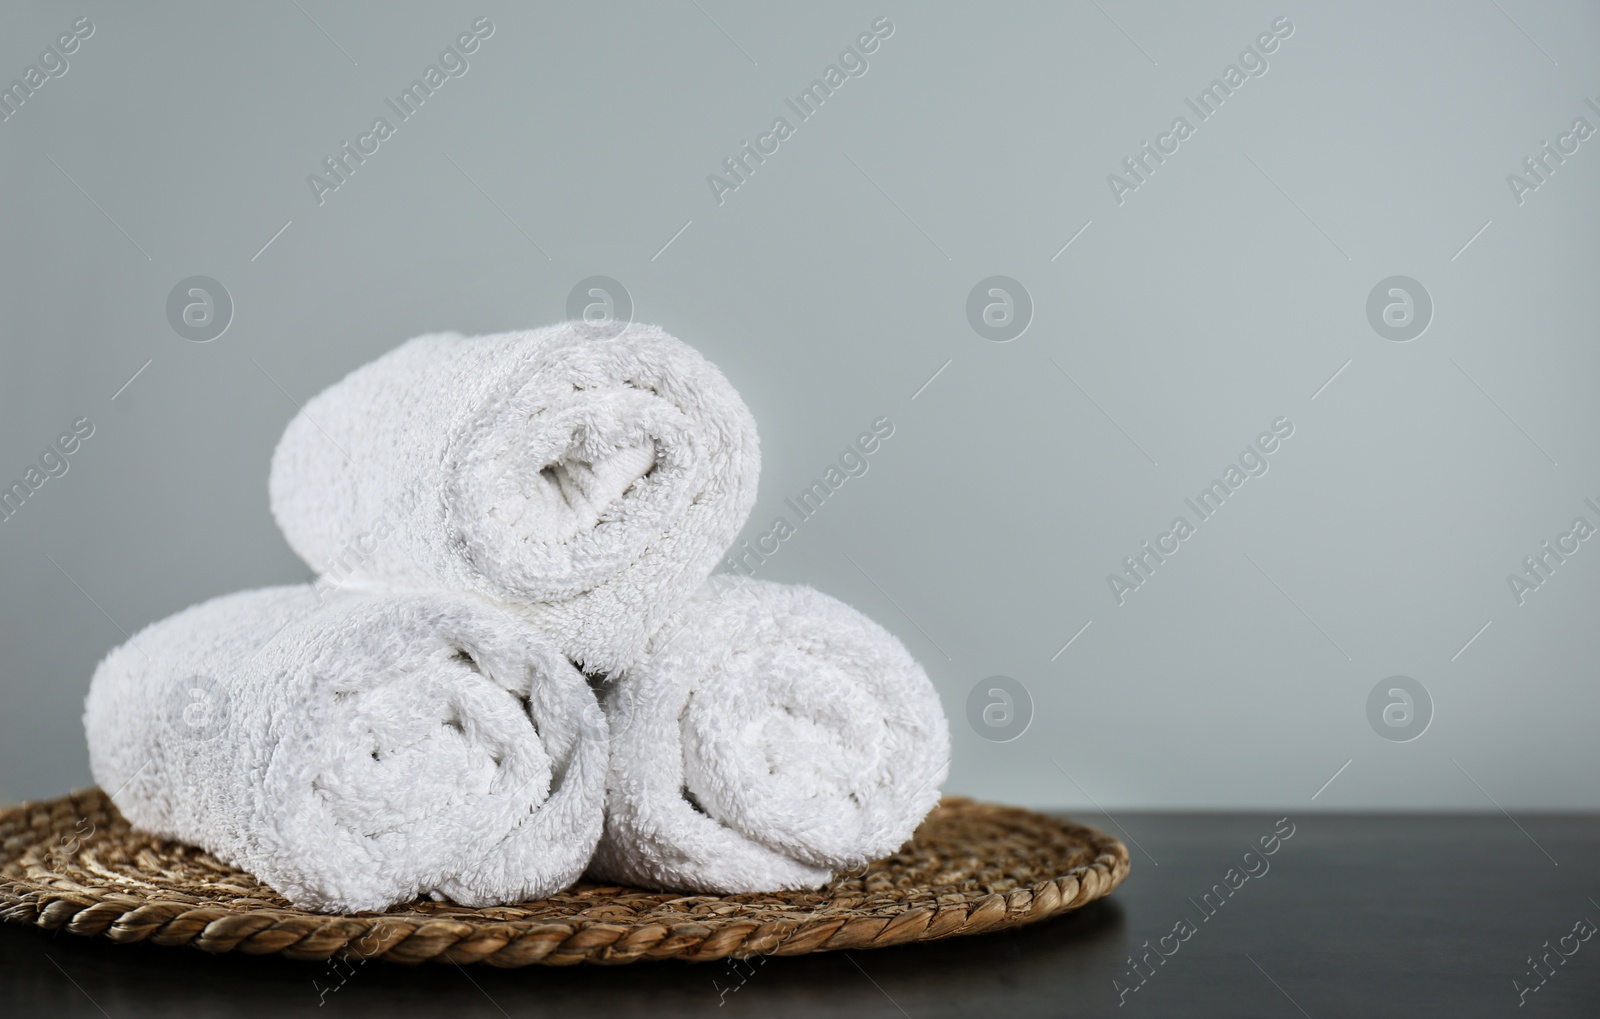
{"x": 1228, "y": 290}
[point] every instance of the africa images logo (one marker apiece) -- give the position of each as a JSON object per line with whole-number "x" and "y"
{"x": 52, "y": 64}
{"x": 406, "y": 104}
{"x": 851, "y": 64}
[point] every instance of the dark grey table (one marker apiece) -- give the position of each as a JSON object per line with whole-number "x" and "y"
{"x": 1354, "y": 915}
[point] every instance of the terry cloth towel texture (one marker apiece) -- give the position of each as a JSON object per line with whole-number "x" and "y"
{"x": 772, "y": 736}
{"x": 589, "y": 481}
{"x": 355, "y": 750}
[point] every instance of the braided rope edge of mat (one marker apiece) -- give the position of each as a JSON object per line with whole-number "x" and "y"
{"x": 302, "y": 935}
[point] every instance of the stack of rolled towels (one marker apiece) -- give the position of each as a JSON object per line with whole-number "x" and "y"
{"x": 515, "y": 666}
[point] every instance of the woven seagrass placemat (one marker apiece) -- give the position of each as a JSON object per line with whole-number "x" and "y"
{"x": 74, "y": 863}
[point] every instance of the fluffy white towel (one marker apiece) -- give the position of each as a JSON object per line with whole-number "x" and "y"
{"x": 590, "y": 482}
{"x": 356, "y": 751}
{"x": 771, "y": 736}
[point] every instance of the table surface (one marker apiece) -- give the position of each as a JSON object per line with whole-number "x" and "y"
{"x": 1353, "y": 915}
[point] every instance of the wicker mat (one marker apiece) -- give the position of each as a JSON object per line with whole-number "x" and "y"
{"x": 972, "y": 867}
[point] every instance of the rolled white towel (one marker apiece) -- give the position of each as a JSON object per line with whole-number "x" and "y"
{"x": 773, "y": 736}
{"x": 589, "y": 481}
{"x": 356, "y": 751}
